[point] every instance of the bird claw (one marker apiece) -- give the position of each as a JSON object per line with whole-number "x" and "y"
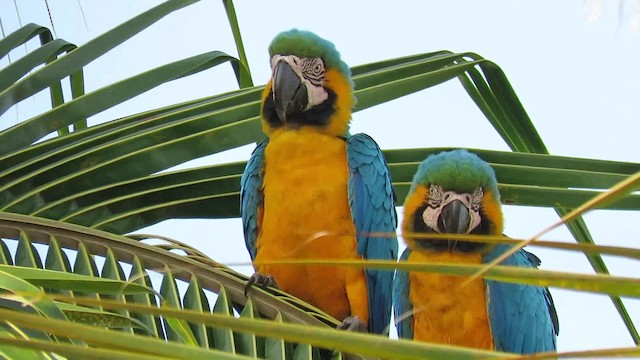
{"x": 353, "y": 323}
{"x": 260, "y": 280}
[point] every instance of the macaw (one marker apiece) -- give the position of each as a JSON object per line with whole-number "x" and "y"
{"x": 456, "y": 192}
{"x": 312, "y": 191}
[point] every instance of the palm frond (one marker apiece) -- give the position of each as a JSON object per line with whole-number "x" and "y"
{"x": 79, "y": 193}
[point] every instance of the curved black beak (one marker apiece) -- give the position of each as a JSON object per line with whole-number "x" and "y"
{"x": 454, "y": 218}
{"x": 289, "y": 94}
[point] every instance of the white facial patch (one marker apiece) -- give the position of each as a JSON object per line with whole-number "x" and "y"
{"x": 439, "y": 199}
{"x": 311, "y": 72}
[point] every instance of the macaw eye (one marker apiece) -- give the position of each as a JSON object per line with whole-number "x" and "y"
{"x": 435, "y": 196}
{"x": 313, "y": 70}
{"x": 476, "y": 199}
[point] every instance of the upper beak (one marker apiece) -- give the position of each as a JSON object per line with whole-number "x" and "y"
{"x": 289, "y": 93}
{"x": 454, "y": 218}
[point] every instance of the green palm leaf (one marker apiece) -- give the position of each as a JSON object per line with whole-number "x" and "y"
{"x": 78, "y": 194}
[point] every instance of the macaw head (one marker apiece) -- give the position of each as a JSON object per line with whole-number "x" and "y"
{"x": 454, "y": 192}
{"x": 310, "y": 85}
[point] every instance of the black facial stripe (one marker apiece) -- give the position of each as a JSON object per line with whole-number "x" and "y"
{"x": 420, "y": 227}
{"x": 316, "y": 81}
{"x": 418, "y": 223}
{"x": 484, "y": 227}
{"x": 318, "y": 115}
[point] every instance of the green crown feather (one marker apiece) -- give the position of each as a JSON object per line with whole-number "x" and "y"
{"x": 457, "y": 170}
{"x": 306, "y": 44}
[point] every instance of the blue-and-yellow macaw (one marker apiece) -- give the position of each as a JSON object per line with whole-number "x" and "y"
{"x": 457, "y": 193}
{"x": 312, "y": 191}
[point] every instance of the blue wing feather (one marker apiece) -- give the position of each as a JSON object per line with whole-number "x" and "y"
{"x": 523, "y": 318}
{"x": 402, "y": 308}
{"x": 251, "y": 196}
{"x": 372, "y": 203}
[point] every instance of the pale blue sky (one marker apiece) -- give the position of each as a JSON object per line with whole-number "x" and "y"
{"x": 579, "y": 81}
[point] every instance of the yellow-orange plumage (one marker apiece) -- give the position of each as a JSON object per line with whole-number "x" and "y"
{"x": 456, "y": 193}
{"x": 445, "y": 312}
{"x": 493, "y": 213}
{"x": 307, "y": 216}
{"x": 314, "y": 191}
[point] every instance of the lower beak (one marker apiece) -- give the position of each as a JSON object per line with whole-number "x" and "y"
{"x": 454, "y": 218}
{"x": 289, "y": 93}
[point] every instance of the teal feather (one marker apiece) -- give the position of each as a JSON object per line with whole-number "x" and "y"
{"x": 522, "y": 318}
{"x": 402, "y": 308}
{"x": 251, "y": 196}
{"x": 370, "y": 192}
{"x": 372, "y": 204}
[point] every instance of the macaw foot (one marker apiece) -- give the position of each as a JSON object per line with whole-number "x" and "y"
{"x": 260, "y": 280}
{"x": 352, "y": 323}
